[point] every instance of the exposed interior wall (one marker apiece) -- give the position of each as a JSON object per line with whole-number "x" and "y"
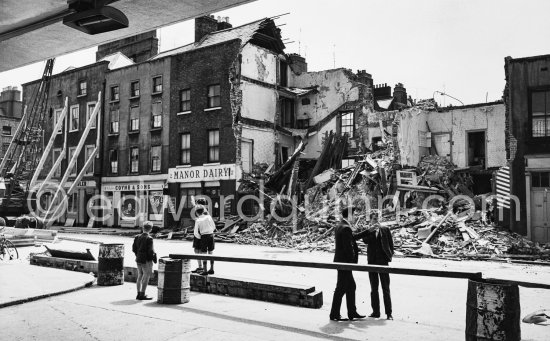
{"x": 315, "y": 142}
{"x": 335, "y": 87}
{"x": 460, "y": 121}
{"x": 258, "y": 102}
{"x": 263, "y": 143}
{"x": 259, "y": 64}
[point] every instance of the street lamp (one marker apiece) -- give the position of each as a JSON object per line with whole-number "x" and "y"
{"x": 444, "y": 94}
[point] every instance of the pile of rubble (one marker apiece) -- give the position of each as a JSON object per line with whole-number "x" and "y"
{"x": 434, "y": 228}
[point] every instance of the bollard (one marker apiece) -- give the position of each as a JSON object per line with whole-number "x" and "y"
{"x": 492, "y": 312}
{"x": 110, "y": 264}
{"x": 174, "y": 277}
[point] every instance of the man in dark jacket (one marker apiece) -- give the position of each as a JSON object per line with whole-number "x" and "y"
{"x": 145, "y": 256}
{"x": 379, "y": 252}
{"x": 346, "y": 251}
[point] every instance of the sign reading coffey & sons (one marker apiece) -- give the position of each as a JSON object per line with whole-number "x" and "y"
{"x": 202, "y": 173}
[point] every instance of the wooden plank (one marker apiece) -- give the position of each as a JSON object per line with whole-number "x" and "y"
{"x": 336, "y": 266}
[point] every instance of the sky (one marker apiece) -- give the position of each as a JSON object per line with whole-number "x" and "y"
{"x": 452, "y": 46}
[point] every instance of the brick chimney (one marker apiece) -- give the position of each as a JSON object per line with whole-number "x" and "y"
{"x": 382, "y": 91}
{"x": 10, "y": 101}
{"x": 138, "y": 48}
{"x": 400, "y": 94}
{"x": 297, "y": 63}
{"x": 205, "y": 25}
{"x": 223, "y": 23}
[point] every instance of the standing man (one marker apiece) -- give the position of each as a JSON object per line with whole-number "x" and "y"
{"x": 145, "y": 256}
{"x": 346, "y": 251}
{"x": 204, "y": 231}
{"x": 379, "y": 252}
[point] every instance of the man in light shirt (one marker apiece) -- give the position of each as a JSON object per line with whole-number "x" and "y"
{"x": 204, "y": 230}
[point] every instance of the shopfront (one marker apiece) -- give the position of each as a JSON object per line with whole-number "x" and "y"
{"x": 130, "y": 202}
{"x": 216, "y": 183}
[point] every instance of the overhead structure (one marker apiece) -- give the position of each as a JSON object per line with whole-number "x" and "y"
{"x": 30, "y": 32}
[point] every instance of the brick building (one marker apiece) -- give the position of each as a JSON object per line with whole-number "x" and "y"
{"x": 80, "y": 87}
{"x": 527, "y": 99}
{"x": 10, "y": 115}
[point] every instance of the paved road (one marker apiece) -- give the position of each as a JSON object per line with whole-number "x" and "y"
{"x": 424, "y": 308}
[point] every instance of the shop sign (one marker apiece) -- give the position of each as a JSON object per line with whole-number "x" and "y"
{"x": 86, "y": 183}
{"x": 132, "y": 187}
{"x": 202, "y": 173}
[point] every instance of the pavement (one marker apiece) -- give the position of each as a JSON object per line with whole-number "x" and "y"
{"x": 20, "y": 282}
{"x": 425, "y": 308}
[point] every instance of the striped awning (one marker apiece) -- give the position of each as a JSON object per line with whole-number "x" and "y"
{"x": 503, "y": 187}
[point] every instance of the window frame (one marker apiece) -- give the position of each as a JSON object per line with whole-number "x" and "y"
{"x": 546, "y": 116}
{"x": 57, "y": 173}
{"x": 154, "y": 91}
{"x": 111, "y": 153}
{"x": 81, "y": 93}
{"x": 77, "y": 107}
{"x": 153, "y": 116}
{"x": 131, "y": 120}
{"x": 208, "y": 149}
{"x": 111, "y": 132}
{"x": 91, "y": 169}
{"x": 210, "y": 106}
{"x": 10, "y": 132}
{"x": 352, "y": 125}
{"x": 153, "y": 170}
{"x": 186, "y": 150}
{"x": 188, "y": 101}
{"x": 89, "y": 113}
{"x": 132, "y": 171}
{"x": 135, "y": 93}
{"x": 74, "y": 171}
{"x": 114, "y": 96}
{"x": 56, "y": 117}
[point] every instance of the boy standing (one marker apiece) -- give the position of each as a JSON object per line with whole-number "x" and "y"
{"x": 145, "y": 256}
{"x": 204, "y": 230}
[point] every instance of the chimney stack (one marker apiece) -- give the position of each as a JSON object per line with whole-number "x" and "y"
{"x": 297, "y": 63}
{"x": 205, "y": 25}
{"x": 400, "y": 94}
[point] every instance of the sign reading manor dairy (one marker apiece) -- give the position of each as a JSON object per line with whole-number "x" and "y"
{"x": 202, "y": 173}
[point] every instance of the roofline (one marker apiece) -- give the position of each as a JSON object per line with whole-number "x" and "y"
{"x": 530, "y": 58}
{"x": 80, "y": 68}
{"x": 467, "y": 106}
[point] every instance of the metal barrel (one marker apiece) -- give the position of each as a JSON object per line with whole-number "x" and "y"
{"x": 492, "y": 312}
{"x": 110, "y": 264}
{"x": 174, "y": 277}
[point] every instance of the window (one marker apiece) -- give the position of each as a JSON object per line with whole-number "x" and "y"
{"x": 188, "y": 195}
{"x": 214, "y": 145}
{"x": 74, "y": 118}
{"x": 134, "y": 159}
{"x": 283, "y": 73}
{"x": 113, "y": 121}
{"x": 134, "y": 89}
{"x": 56, "y": 116}
{"x": 346, "y": 123}
{"x": 302, "y": 123}
{"x": 156, "y": 115}
{"x": 82, "y": 88}
{"x": 157, "y": 84}
{"x": 89, "y": 110}
{"x": 540, "y": 179}
{"x": 287, "y": 113}
{"x": 134, "y": 118}
{"x": 74, "y": 170}
{"x": 72, "y": 202}
{"x": 113, "y": 161}
{"x": 87, "y": 153}
{"x": 185, "y": 100}
{"x": 305, "y": 101}
{"x": 155, "y": 158}
{"x": 185, "y": 149}
{"x": 213, "y": 96}
{"x": 115, "y": 96}
{"x": 55, "y": 155}
{"x": 6, "y": 130}
{"x": 540, "y": 113}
